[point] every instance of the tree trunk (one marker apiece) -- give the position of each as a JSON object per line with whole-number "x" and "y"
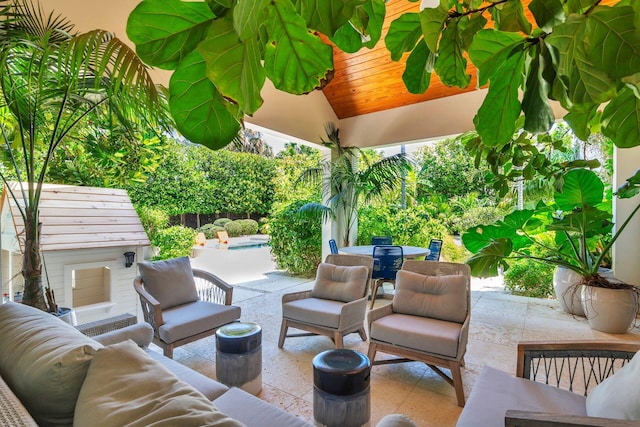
{"x": 32, "y": 264}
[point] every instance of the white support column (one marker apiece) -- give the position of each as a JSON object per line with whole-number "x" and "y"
{"x": 626, "y": 250}
{"x": 330, "y": 228}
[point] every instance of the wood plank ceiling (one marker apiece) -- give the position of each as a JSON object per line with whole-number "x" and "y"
{"x": 369, "y": 81}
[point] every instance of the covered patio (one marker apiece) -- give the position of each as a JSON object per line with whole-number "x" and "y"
{"x": 498, "y": 322}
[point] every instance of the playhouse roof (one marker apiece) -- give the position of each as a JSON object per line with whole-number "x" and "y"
{"x": 75, "y": 217}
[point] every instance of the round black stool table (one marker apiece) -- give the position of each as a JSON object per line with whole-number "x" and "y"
{"x": 341, "y": 388}
{"x": 239, "y": 356}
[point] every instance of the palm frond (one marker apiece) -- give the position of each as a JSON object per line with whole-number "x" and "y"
{"x": 28, "y": 20}
{"x": 316, "y": 211}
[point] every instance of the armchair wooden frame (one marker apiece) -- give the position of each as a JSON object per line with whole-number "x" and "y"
{"x": 210, "y": 288}
{"x": 577, "y": 366}
{"x": 433, "y": 268}
{"x": 352, "y": 315}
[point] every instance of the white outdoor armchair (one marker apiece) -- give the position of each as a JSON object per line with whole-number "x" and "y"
{"x": 337, "y": 303}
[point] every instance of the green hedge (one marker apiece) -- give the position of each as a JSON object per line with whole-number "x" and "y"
{"x": 296, "y": 243}
{"x": 210, "y": 230}
{"x": 176, "y": 241}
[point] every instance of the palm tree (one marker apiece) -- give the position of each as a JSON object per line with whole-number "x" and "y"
{"x": 52, "y": 81}
{"x": 347, "y": 186}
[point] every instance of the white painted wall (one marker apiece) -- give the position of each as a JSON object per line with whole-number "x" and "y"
{"x": 627, "y": 248}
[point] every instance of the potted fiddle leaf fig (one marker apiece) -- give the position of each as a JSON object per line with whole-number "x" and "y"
{"x": 580, "y": 219}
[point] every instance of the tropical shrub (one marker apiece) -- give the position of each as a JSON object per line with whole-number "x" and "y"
{"x": 530, "y": 278}
{"x": 248, "y": 226}
{"x": 412, "y": 226}
{"x": 153, "y": 220}
{"x": 263, "y": 225}
{"x": 453, "y": 251}
{"x": 233, "y": 228}
{"x": 296, "y": 241}
{"x": 176, "y": 241}
{"x": 221, "y": 222}
{"x": 475, "y": 215}
{"x": 210, "y": 230}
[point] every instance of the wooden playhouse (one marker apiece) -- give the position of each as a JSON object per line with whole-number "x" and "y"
{"x": 85, "y": 233}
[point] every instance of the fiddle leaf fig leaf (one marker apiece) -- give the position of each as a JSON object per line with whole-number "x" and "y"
{"x": 403, "y": 35}
{"x": 581, "y": 188}
{"x": 621, "y": 119}
{"x": 296, "y": 61}
{"x": 201, "y": 114}
{"x": 326, "y": 16}
{"x": 587, "y": 84}
{"x": 417, "y": 74}
{"x": 496, "y": 118}
{"x": 451, "y": 64}
{"x": 165, "y": 31}
{"x": 475, "y": 24}
{"x": 347, "y": 38}
{"x": 233, "y": 66}
{"x": 432, "y": 22}
{"x": 612, "y": 41}
{"x": 375, "y": 10}
{"x": 364, "y": 28}
{"x": 489, "y": 51}
{"x": 510, "y": 17}
{"x": 547, "y": 13}
{"x": 248, "y": 16}
{"x": 539, "y": 116}
{"x": 580, "y": 122}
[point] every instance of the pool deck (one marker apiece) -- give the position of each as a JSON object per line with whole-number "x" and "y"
{"x": 498, "y": 322}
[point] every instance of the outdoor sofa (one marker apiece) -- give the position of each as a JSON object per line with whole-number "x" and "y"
{"x": 602, "y": 377}
{"x": 52, "y": 374}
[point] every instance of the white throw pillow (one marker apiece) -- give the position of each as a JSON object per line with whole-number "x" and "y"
{"x": 619, "y": 395}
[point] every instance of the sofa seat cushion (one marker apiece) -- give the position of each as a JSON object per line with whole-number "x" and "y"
{"x": 45, "y": 362}
{"x": 193, "y": 318}
{"x": 124, "y": 386}
{"x": 170, "y": 281}
{"x": 495, "y": 391}
{"x": 418, "y": 333}
{"x": 316, "y": 311}
{"x": 255, "y": 412}
{"x": 340, "y": 283}
{"x": 211, "y": 389}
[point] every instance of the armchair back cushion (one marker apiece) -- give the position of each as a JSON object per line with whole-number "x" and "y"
{"x": 617, "y": 396}
{"x": 438, "y": 297}
{"x": 169, "y": 281}
{"x": 46, "y": 364}
{"x": 124, "y": 386}
{"x": 340, "y": 283}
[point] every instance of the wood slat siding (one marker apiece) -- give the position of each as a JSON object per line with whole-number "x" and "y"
{"x": 368, "y": 81}
{"x": 84, "y": 217}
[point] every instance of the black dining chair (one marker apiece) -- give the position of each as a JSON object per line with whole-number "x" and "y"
{"x": 435, "y": 247}
{"x": 387, "y": 262}
{"x": 382, "y": 240}
{"x": 333, "y": 246}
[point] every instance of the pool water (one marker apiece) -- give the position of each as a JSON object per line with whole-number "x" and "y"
{"x": 247, "y": 246}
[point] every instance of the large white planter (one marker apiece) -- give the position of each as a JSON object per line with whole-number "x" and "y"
{"x": 565, "y": 284}
{"x": 609, "y": 310}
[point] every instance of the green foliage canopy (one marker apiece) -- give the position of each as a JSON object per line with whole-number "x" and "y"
{"x": 582, "y": 54}
{"x": 195, "y": 179}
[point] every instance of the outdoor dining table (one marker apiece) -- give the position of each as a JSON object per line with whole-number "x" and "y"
{"x": 409, "y": 252}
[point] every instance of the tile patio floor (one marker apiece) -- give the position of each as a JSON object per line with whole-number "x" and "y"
{"x": 498, "y": 322}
